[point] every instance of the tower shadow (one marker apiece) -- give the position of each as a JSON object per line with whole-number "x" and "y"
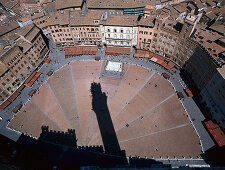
{"x": 108, "y": 134}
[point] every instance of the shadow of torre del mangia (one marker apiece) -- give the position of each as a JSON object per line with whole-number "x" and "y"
{"x": 108, "y": 134}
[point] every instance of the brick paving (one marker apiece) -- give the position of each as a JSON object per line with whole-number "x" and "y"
{"x": 84, "y": 74}
{"x": 30, "y": 119}
{"x": 46, "y": 101}
{"x": 171, "y": 142}
{"x": 62, "y": 86}
{"x": 156, "y": 118}
{"x": 159, "y": 111}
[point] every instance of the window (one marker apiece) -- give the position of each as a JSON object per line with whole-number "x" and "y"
{"x": 121, "y": 31}
{"x": 3, "y": 84}
{"x": 121, "y": 36}
{"x": 108, "y": 30}
{"x": 145, "y": 32}
{"x": 114, "y": 30}
{"x": 96, "y": 21}
{"x": 128, "y": 31}
{"x": 115, "y": 36}
{"x": 140, "y": 32}
{"x": 109, "y": 35}
{"x": 128, "y": 36}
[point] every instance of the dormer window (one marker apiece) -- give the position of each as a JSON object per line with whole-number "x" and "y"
{"x": 96, "y": 21}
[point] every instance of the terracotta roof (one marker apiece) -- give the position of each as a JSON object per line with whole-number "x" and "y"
{"x": 181, "y": 7}
{"x": 50, "y": 7}
{"x": 3, "y": 68}
{"x": 29, "y": 32}
{"x": 146, "y": 22}
{"x": 37, "y": 15}
{"x": 24, "y": 19}
{"x": 88, "y": 19}
{"x": 123, "y": 20}
{"x": 9, "y": 4}
{"x": 8, "y": 27}
{"x": 119, "y": 4}
{"x": 218, "y": 28}
{"x": 211, "y": 15}
{"x": 63, "y": 4}
{"x": 24, "y": 44}
{"x": 58, "y": 18}
{"x": 45, "y": 1}
{"x": 199, "y": 4}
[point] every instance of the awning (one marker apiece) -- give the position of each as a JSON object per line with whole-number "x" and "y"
{"x": 216, "y": 132}
{"x": 117, "y": 50}
{"x": 88, "y": 50}
{"x": 20, "y": 88}
{"x": 31, "y": 82}
{"x": 14, "y": 96}
{"x": 4, "y": 105}
{"x": 29, "y": 78}
{"x": 189, "y": 93}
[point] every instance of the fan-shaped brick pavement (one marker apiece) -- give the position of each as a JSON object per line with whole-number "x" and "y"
{"x": 148, "y": 118}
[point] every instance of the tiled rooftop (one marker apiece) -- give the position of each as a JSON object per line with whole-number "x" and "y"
{"x": 119, "y": 4}
{"x": 123, "y": 20}
{"x": 76, "y": 18}
{"x": 58, "y": 18}
{"x": 63, "y": 4}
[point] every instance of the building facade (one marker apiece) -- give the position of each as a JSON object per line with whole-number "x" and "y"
{"x": 145, "y": 33}
{"x": 21, "y": 59}
{"x": 119, "y": 31}
{"x": 213, "y": 96}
